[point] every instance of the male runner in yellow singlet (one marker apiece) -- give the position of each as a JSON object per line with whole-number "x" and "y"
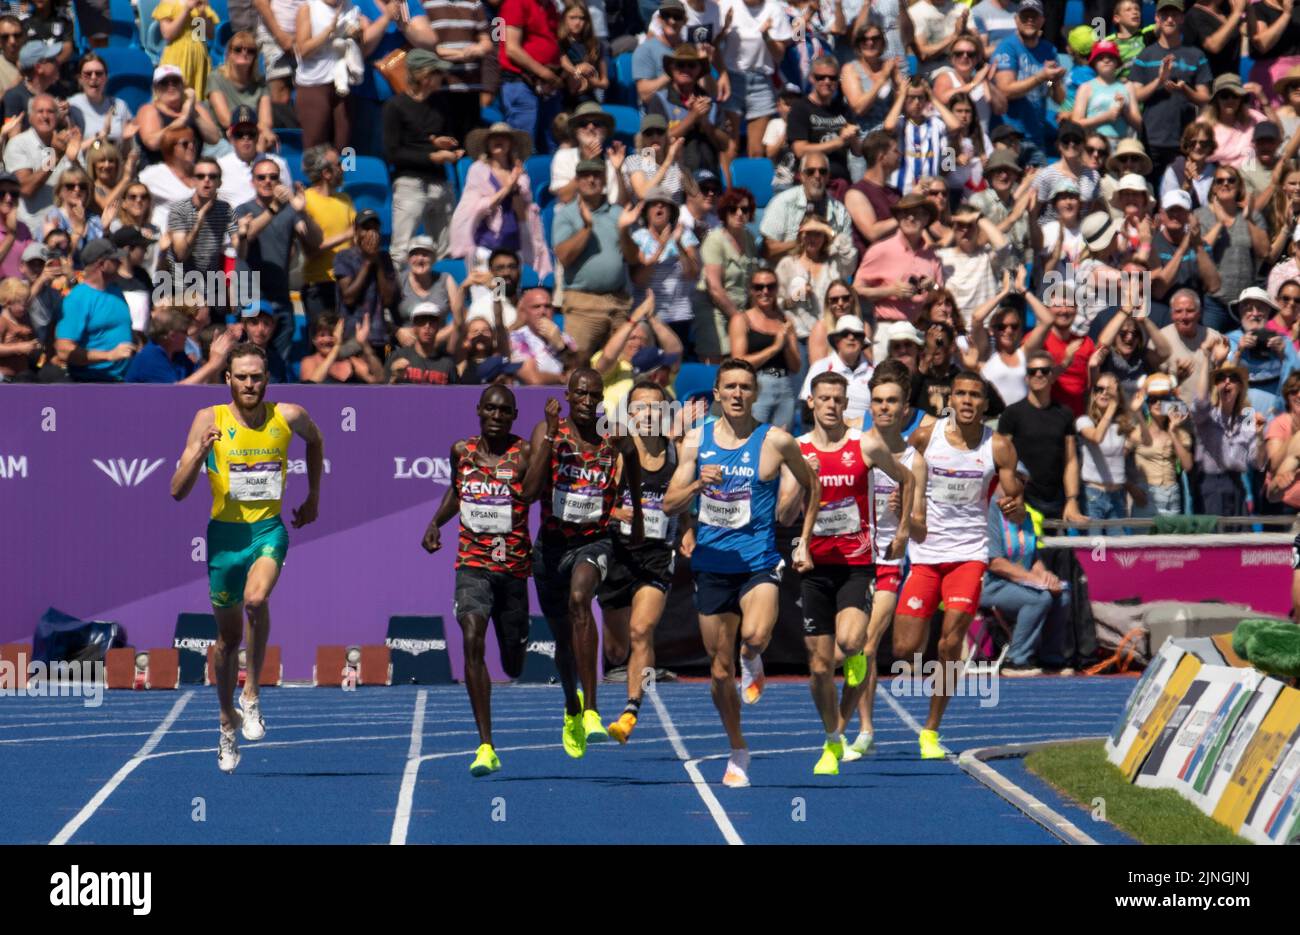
{"x": 245, "y": 448}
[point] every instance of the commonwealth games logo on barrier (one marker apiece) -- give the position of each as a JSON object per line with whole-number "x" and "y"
{"x": 126, "y": 473}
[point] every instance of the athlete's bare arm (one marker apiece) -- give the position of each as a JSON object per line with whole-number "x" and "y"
{"x": 1012, "y": 502}
{"x": 630, "y": 463}
{"x": 203, "y": 434}
{"x": 539, "y": 455}
{"x": 302, "y": 426}
{"x": 920, "y": 440}
{"x": 792, "y": 458}
{"x": 684, "y": 486}
{"x": 877, "y": 454}
{"x": 449, "y": 506}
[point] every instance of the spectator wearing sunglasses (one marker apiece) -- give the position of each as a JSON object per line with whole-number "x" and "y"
{"x": 936, "y": 25}
{"x": 1287, "y": 320}
{"x": 11, "y": 40}
{"x": 237, "y": 83}
{"x": 823, "y": 123}
{"x": 787, "y": 212}
{"x": 1237, "y": 241}
{"x": 647, "y": 61}
{"x": 730, "y": 255}
{"x": 92, "y": 109}
{"x": 237, "y": 165}
{"x": 1169, "y": 95}
{"x": 1229, "y": 435}
{"x": 1267, "y": 357}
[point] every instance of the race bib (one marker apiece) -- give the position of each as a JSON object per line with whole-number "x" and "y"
{"x": 577, "y": 505}
{"x": 261, "y": 481}
{"x": 653, "y": 518}
{"x": 489, "y": 515}
{"x": 881, "y": 500}
{"x": 840, "y": 518}
{"x": 726, "y": 509}
{"x": 958, "y": 487}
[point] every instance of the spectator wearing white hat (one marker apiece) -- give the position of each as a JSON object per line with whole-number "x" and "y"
{"x": 421, "y": 285}
{"x": 1267, "y": 357}
{"x": 173, "y": 106}
{"x": 1130, "y": 204}
{"x": 847, "y": 358}
{"x": 1062, "y": 238}
{"x": 1179, "y": 255}
{"x": 1098, "y": 277}
{"x": 901, "y": 341}
{"x": 427, "y": 361}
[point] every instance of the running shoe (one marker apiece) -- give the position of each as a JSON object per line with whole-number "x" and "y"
{"x": 836, "y": 746}
{"x": 855, "y": 669}
{"x": 574, "y": 737}
{"x": 485, "y": 761}
{"x": 1017, "y": 672}
{"x": 254, "y": 726}
{"x": 228, "y": 749}
{"x": 829, "y": 764}
{"x": 736, "y": 776}
{"x": 859, "y": 748}
{"x": 621, "y": 729}
{"x": 594, "y": 730}
{"x": 752, "y": 679}
{"x": 930, "y": 749}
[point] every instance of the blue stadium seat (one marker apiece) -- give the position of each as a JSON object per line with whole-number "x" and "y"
{"x": 492, "y": 114}
{"x": 217, "y": 47}
{"x": 290, "y": 137}
{"x": 145, "y": 11}
{"x": 756, "y": 175}
{"x": 622, "y": 87}
{"x": 453, "y": 267}
{"x": 130, "y": 74}
{"x": 1247, "y": 63}
{"x": 377, "y": 198}
{"x": 123, "y": 30}
{"x": 548, "y": 218}
{"x": 528, "y": 278}
{"x": 462, "y": 170}
{"x": 367, "y": 170}
{"x": 1074, "y": 15}
{"x": 291, "y": 152}
{"x": 694, "y": 378}
{"x": 627, "y": 122}
{"x": 134, "y": 90}
{"x": 222, "y": 9}
{"x": 153, "y": 42}
{"x": 539, "y": 177}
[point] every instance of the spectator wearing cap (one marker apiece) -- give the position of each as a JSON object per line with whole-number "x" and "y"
{"x": 426, "y": 361}
{"x": 45, "y": 305}
{"x": 693, "y": 116}
{"x": 236, "y": 84}
{"x": 1046, "y": 440}
{"x": 463, "y": 37}
{"x": 422, "y": 137}
{"x": 668, "y": 266}
{"x": 367, "y": 282}
{"x": 11, "y": 43}
{"x": 134, "y": 279}
{"x": 1170, "y": 95}
{"x": 654, "y": 163}
{"x": 543, "y": 351}
{"x": 186, "y": 28}
{"x": 38, "y": 63}
{"x": 1179, "y": 255}
{"x": 1229, "y": 435}
{"x": 334, "y": 214}
{"x": 730, "y": 254}
{"x": 339, "y": 361}
{"x": 39, "y": 156}
{"x": 870, "y": 200}
{"x": 701, "y": 192}
{"x": 1027, "y": 72}
{"x": 754, "y": 48}
{"x": 639, "y": 346}
{"x": 1070, "y": 167}
{"x": 922, "y": 124}
{"x": 1005, "y": 202}
{"x": 13, "y": 232}
{"x": 422, "y": 285}
{"x": 496, "y": 210}
{"x": 199, "y": 227}
{"x": 591, "y": 128}
{"x": 594, "y": 254}
{"x": 257, "y": 326}
{"x": 1236, "y": 239}
{"x": 766, "y": 338}
{"x": 788, "y": 210}
{"x": 173, "y": 106}
{"x": 237, "y": 184}
{"x": 804, "y": 275}
{"x": 650, "y": 69}
{"x": 92, "y": 109}
{"x": 1106, "y": 103}
{"x": 326, "y": 66}
{"x": 1265, "y": 171}
{"x": 1267, "y": 357}
{"x": 1061, "y": 239}
{"x": 823, "y": 123}
{"x": 531, "y": 77}
{"x": 896, "y": 273}
{"x": 973, "y": 266}
{"x": 1234, "y": 120}
{"x": 776, "y": 145}
{"x": 93, "y": 337}
{"x": 267, "y": 226}
{"x": 848, "y": 342}
{"x": 163, "y": 359}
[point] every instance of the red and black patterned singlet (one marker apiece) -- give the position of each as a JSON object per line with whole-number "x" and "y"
{"x": 580, "y": 488}
{"x": 493, "y": 512}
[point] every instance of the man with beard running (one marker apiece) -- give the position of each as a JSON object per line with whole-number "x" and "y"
{"x": 493, "y": 554}
{"x": 575, "y": 469}
{"x": 244, "y": 446}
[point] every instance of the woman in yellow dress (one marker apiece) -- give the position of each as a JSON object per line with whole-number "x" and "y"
{"x": 187, "y": 25}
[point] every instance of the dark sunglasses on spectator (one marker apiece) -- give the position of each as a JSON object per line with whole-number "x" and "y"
{"x": 7, "y": 194}
{"x": 1288, "y": 300}
{"x": 96, "y": 73}
{"x": 742, "y": 209}
{"x": 243, "y": 48}
{"x": 653, "y": 131}
{"x": 839, "y": 299}
{"x": 817, "y": 170}
{"x": 711, "y": 190}
{"x": 246, "y": 135}
{"x": 672, "y": 17}
{"x": 872, "y": 39}
{"x": 964, "y": 53}
{"x": 589, "y": 123}
{"x": 203, "y": 176}
{"x": 826, "y": 77}
{"x": 78, "y": 186}
{"x": 138, "y": 196}
{"x": 11, "y": 36}
{"x": 1007, "y": 326}
{"x": 1130, "y": 157}
{"x": 1227, "y": 378}
{"x": 1224, "y": 180}
{"x": 267, "y": 177}
{"x": 1096, "y": 150}
{"x": 1203, "y": 144}
{"x": 763, "y": 286}
{"x": 1038, "y": 371}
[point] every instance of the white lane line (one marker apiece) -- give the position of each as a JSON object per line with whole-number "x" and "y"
{"x": 406, "y": 796}
{"x": 125, "y": 770}
{"x": 691, "y": 766}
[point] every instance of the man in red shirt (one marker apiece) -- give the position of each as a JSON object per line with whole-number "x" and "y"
{"x": 1054, "y": 333}
{"x": 531, "y": 79}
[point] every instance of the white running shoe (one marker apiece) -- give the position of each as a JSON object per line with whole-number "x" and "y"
{"x": 254, "y": 727}
{"x": 735, "y": 777}
{"x": 752, "y": 679}
{"x": 227, "y": 751}
{"x": 859, "y": 748}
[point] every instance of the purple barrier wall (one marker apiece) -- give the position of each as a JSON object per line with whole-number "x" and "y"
{"x": 91, "y": 527}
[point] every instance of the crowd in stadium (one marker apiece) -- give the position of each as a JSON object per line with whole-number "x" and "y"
{"x": 464, "y": 191}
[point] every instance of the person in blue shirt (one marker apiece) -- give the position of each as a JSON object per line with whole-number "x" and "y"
{"x": 1028, "y": 73}
{"x": 163, "y": 359}
{"x": 93, "y": 339}
{"x": 1019, "y": 586}
{"x": 1269, "y": 357}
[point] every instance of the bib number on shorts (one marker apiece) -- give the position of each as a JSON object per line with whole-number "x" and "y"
{"x": 486, "y": 516}
{"x": 840, "y": 518}
{"x": 577, "y": 506}
{"x": 726, "y": 509}
{"x": 957, "y": 487}
{"x": 261, "y": 481}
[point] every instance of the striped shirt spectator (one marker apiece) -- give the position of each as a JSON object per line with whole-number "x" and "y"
{"x": 921, "y": 149}
{"x": 207, "y": 253}
{"x": 459, "y": 25}
{"x": 672, "y": 289}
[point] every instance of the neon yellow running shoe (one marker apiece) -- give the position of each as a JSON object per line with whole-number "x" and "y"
{"x": 930, "y": 749}
{"x": 594, "y": 730}
{"x": 574, "y": 737}
{"x": 836, "y": 746}
{"x": 829, "y": 764}
{"x": 621, "y": 729}
{"x": 855, "y": 669}
{"x": 485, "y": 761}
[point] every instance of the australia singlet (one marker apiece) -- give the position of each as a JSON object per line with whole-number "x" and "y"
{"x": 247, "y": 466}
{"x": 581, "y": 486}
{"x": 493, "y": 512}
{"x": 736, "y": 531}
{"x": 958, "y": 486}
{"x": 841, "y": 533}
